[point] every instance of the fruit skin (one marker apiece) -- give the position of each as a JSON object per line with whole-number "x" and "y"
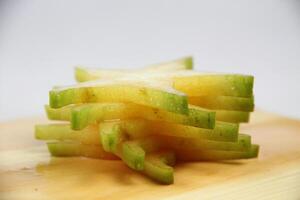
{"x": 134, "y": 91}
{"x": 133, "y": 155}
{"x": 111, "y": 136}
{"x": 158, "y": 166}
{"x": 114, "y": 140}
{"x": 223, "y": 102}
{"x": 83, "y": 74}
{"x": 232, "y": 116}
{"x": 76, "y": 149}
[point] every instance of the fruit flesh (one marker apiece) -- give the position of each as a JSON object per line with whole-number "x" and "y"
{"x": 232, "y": 116}
{"x": 84, "y": 74}
{"x": 197, "y": 84}
{"x": 185, "y": 63}
{"x": 223, "y": 102}
{"x": 141, "y": 92}
{"x": 85, "y": 114}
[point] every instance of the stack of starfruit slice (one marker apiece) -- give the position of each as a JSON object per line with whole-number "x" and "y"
{"x": 152, "y": 117}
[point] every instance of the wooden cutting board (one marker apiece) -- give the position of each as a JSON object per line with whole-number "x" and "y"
{"x": 28, "y": 172}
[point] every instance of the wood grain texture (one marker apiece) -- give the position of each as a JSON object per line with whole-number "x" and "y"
{"x": 28, "y": 172}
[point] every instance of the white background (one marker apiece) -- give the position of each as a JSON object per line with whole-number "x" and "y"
{"x": 41, "y": 42}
